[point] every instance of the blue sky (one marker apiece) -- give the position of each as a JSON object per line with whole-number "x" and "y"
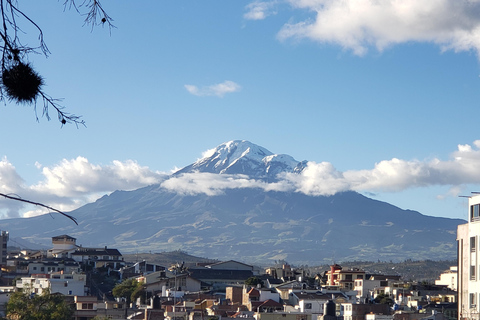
{"x": 385, "y": 93}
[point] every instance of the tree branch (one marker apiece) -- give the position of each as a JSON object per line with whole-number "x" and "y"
{"x": 40, "y": 205}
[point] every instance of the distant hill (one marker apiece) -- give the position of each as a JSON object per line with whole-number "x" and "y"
{"x": 248, "y": 221}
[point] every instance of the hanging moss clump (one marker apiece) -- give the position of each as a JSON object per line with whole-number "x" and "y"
{"x": 22, "y": 84}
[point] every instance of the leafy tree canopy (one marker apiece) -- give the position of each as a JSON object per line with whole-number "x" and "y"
{"x": 24, "y": 305}
{"x": 384, "y": 299}
{"x": 128, "y": 289}
{"x": 253, "y": 281}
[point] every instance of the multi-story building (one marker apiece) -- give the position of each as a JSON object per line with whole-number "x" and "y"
{"x": 449, "y": 278}
{"x": 468, "y": 237}
{"x": 3, "y": 247}
{"x": 66, "y": 284}
{"x": 343, "y": 279}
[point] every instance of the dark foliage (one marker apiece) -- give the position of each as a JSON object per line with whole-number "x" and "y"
{"x": 22, "y": 84}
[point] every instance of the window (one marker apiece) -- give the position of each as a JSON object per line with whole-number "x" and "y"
{"x": 473, "y": 299}
{"x": 472, "y": 244}
{"x": 475, "y": 213}
{"x": 348, "y": 277}
{"x": 87, "y": 306}
{"x": 34, "y": 268}
{"x": 472, "y": 272}
{"x": 308, "y": 306}
{"x": 42, "y": 268}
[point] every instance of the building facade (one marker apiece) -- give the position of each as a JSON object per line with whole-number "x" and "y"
{"x": 3, "y": 247}
{"x": 468, "y": 237}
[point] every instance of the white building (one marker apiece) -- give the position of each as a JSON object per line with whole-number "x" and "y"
{"x": 449, "y": 278}
{"x": 66, "y": 284}
{"x": 63, "y": 246}
{"x": 468, "y": 237}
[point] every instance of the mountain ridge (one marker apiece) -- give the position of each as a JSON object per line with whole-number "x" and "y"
{"x": 249, "y": 224}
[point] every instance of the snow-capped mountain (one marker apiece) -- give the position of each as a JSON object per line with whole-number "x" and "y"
{"x": 244, "y": 157}
{"x": 248, "y": 223}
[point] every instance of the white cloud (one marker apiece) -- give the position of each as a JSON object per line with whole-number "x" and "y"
{"x": 359, "y": 24}
{"x": 218, "y": 90}
{"x": 71, "y": 183}
{"x": 393, "y": 175}
{"x": 214, "y": 184}
{"x": 75, "y": 182}
{"x": 259, "y": 10}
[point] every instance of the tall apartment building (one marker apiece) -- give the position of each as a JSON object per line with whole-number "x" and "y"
{"x": 468, "y": 238}
{"x": 3, "y": 247}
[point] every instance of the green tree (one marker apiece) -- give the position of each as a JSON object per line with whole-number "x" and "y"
{"x": 128, "y": 289}
{"x": 253, "y": 281}
{"x": 23, "y": 305}
{"x": 384, "y": 299}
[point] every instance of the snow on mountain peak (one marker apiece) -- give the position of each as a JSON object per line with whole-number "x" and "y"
{"x": 242, "y": 157}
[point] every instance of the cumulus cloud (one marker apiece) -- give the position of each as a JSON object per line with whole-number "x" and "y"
{"x": 71, "y": 183}
{"x": 323, "y": 178}
{"x": 359, "y": 24}
{"x": 259, "y": 10}
{"x": 219, "y": 89}
{"x": 213, "y": 184}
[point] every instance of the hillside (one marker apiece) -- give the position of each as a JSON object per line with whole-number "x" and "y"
{"x": 233, "y": 204}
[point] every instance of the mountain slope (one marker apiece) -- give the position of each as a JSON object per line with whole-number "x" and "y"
{"x": 250, "y": 224}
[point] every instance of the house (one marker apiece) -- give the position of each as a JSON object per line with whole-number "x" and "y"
{"x": 283, "y": 316}
{"x": 99, "y": 257}
{"x": 67, "y": 266}
{"x": 255, "y": 298}
{"x": 161, "y": 281}
{"x": 285, "y": 288}
{"x": 372, "y": 285}
{"x": 140, "y": 268}
{"x": 449, "y": 278}
{"x": 5, "y": 293}
{"x": 87, "y": 307}
{"x": 66, "y": 284}
{"x": 63, "y": 246}
{"x": 231, "y": 265}
{"x": 266, "y": 306}
{"x": 351, "y": 311}
{"x": 234, "y": 294}
{"x": 283, "y": 272}
{"x": 468, "y": 238}
{"x": 313, "y": 302}
{"x": 223, "y": 274}
{"x": 343, "y": 279}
